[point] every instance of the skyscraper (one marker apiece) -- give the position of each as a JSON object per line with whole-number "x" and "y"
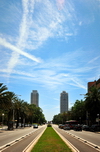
{"x": 35, "y": 98}
{"x": 63, "y": 102}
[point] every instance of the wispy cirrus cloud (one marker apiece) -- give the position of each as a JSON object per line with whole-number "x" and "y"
{"x": 28, "y": 9}
{"x": 49, "y": 22}
{"x": 35, "y": 28}
{"x": 23, "y": 35}
{"x": 94, "y": 59}
{"x": 31, "y": 31}
{"x": 60, "y": 4}
{"x": 6, "y": 44}
{"x": 55, "y": 72}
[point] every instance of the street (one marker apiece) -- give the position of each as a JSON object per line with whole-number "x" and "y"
{"x": 82, "y": 146}
{"x": 92, "y": 137}
{"x": 19, "y": 139}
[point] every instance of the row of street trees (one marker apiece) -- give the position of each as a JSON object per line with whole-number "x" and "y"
{"x": 84, "y": 111}
{"x": 13, "y": 109}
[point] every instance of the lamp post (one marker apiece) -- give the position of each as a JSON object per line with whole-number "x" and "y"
{"x": 2, "y": 119}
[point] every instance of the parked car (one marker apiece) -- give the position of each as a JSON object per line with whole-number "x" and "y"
{"x": 66, "y": 127}
{"x": 78, "y": 128}
{"x": 61, "y": 126}
{"x": 85, "y": 127}
{"x": 95, "y": 127}
{"x": 35, "y": 126}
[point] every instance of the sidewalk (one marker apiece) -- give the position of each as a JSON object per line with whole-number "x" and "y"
{"x": 5, "y": 128}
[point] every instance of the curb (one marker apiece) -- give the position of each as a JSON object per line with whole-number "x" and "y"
{"x": 85, "y": 141}
{"x": 72, "y": 147}
{"x": 14, "y": 141}
{"x": 32, "y": 144}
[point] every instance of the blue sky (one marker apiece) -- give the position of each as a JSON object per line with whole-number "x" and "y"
{"x": 50, "y": 46}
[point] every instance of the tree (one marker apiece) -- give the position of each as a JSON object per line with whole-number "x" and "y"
{"x": 3, "y": 96}
{"x": 64, "y": 116}
{"x": 31, "y": 113}
{"x": 57, "y": 119}
{"x": 40, "y": 115}
{"x": 19, "y": 111}
{"x": 11, "y": 97}
{"x": 92, "y": 103}
{"x": 26, "y": 113}
{"x": 78, "y": 111}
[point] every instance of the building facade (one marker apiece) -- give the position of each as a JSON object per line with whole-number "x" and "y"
{"x": 94, "y": 84}
{"x": 35, "y": 98}
{"x": 63, "y": 102}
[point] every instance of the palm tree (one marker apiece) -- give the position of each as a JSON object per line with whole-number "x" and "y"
{"x": 3, "y": 96}
{"x": 2, "y": 89}
{"x": 92, "y": 103}
{"x": 31, "y": 112}
{"x": 3, "y": 101}
{"x": 10, "y": 107}
{"x": 25, "y": 112}
{"x": 18, "y": 108}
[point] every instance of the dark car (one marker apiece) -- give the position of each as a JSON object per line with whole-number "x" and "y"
{"x": 95, "y": 127}
{"x": 85, "y": 127}
{"x": 35, "y": 126}
{"x": 61, "y": 126}
{"x": 66, "y": 127}
{"x": 78, "y": 128}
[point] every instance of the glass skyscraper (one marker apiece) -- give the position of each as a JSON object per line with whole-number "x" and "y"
{"x": 35, "y": 98}
{"x": 63, "y": 102}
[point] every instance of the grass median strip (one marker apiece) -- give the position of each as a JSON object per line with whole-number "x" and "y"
{"x": 50, "y": 142}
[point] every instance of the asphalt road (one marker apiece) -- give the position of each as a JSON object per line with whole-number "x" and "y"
{"x": 81, "y": 146}
{"x": 18, "y": 140}
{"x": 23, "y": 137}
{"x": 93, "y": 137}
